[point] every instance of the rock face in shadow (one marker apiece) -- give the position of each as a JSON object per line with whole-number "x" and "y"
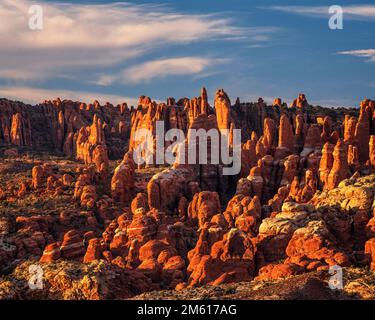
{"x": 58, "y": 125}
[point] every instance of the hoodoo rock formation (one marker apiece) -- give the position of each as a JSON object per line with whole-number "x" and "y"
{"x": 57, "y": 125}
{"x": 73, "y": 197}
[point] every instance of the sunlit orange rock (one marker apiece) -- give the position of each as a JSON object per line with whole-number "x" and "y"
{"x": 370, "y": 252}
{"x": 326, "y": 163}
{"x": 362, "y": 135}
{"x": 372, "y": 150}
{"x": 300, "y": 102}
{"x": 122, "y": 182}
{"x": 203, "y": 207}
{"x": 340, "y": 169}
{"x": 286, "y": 138}
{"x": 51, "y": 253}
{"x": 350, "y": 124}
{"x": 94, "y": 250}
{"x": 72, "y": 245}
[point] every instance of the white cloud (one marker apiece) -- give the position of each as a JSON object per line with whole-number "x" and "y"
{"x": 360, "y": 11}
{"x": 80, "y": 37}
{"x": 364, "y": 53}
{"x": 38, "y": 95}
{"x": 301, "y": 10}
{"x": 357, "y": 12}
{"x": 116, "y": 25}
{"x": 162, "y": 68}
{"x": 83, "y": 43}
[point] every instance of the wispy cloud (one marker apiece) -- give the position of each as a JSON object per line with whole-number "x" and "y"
{"x": 37, "y": 95}
{"x": 99, "y": 44}
{"x": 369, "y": 54}
{"x": 356, "y": 12}
{"x": 115, "y": 25}
{"x": 81, "y": 37}
{"x": 161, "y": 68}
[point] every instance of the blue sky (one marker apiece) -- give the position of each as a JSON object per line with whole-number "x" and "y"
{"x": 117, "y": 52}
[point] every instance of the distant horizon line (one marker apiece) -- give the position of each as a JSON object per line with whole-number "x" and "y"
{"x": 34, "y": 96}
{"x": 92, "y": 101}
